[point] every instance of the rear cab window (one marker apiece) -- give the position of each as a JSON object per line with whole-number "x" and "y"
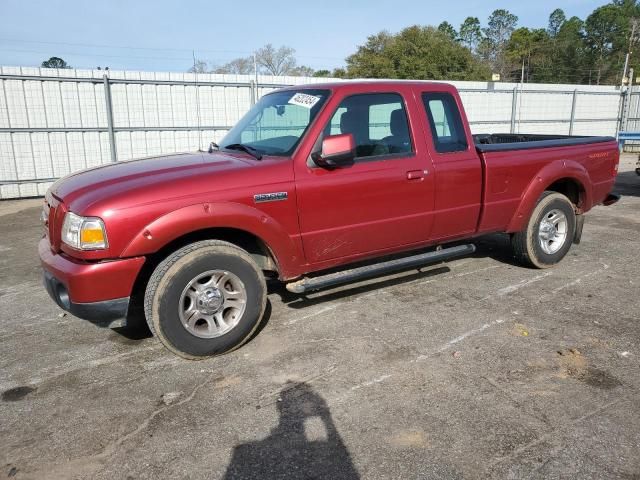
{"x": 445, "y": 122}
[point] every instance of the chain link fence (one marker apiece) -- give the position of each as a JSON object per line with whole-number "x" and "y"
{"x": 54, "y": 122}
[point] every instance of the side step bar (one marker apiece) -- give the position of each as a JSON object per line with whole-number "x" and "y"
{"x": 361, "y": 273}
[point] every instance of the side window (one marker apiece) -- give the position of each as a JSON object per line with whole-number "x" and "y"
{"x": 445, "y": 122}
{"x": 334, "y": 125}
{"x": 377, "y": 121}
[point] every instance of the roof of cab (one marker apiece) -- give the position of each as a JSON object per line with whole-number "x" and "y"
{"x": 365, "y": 83}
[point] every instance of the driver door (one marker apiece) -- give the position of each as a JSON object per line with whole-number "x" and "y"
{"x": 384, "y": 199}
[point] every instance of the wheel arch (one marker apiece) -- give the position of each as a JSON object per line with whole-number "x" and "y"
{"x": 237, "y": 223}
{"x": 567, "y": 177}
{"x": 253, "y": 244}
{"x": 257, "y": 248}
{"x": 268, "y": 243}
{"x": 571, "y": 188}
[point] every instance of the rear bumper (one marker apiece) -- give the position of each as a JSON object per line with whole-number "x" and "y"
{"x": 94, "y": 291}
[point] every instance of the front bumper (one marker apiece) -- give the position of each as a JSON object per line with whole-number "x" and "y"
{"x": 107, "y": 313}
{"x": 94, "y": 291}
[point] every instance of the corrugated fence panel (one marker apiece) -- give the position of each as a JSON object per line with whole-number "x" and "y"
{"x": 633, "y": 121}
{"x": 54, "y": 122}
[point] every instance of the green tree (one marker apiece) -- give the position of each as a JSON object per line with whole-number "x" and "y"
{"x": 629, "y": 8}
{"x": 528, "y": 49}
{"x": 470, "y": 33}
{"x": 606, "y": 31}
{"x": 500, "y": 26}
{"x": 556, "y": 20}
{"x": 568, "y": 58}
{"x": 416, "y": 52}
{"x": 339, "y": 73}
{"x": 372, "y": 59}
{"x": 322, "y": 73}
{"x": 55, "y": 62}
{"x": 447, "y": 29}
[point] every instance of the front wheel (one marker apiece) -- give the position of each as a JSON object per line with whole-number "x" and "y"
{"x": 205, "y": 299}
{"x": 549, "y": 233}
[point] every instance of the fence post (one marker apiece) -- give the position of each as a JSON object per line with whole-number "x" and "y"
{"x": 626, "y": 105}
{"x": 573, "y": 111}
{"x": 109, "y": 108}
{"x": 621, "y": 106}
{"x": 514, "y": 104}
{"x": 252, "y": 86}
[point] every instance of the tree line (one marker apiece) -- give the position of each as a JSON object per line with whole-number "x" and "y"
{"x": 567, "y": 50}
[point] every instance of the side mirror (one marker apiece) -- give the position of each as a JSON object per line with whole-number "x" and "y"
{"x": 337, "y": 151}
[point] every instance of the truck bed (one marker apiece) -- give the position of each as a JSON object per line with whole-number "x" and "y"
{"x": 500, "y": 142}
{"x": 512, "y": 163}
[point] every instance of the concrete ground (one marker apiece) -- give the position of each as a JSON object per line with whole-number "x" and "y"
{"x": 475, "y": 369}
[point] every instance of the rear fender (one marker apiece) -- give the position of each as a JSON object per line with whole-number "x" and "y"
{"x": 190, "y": 219}
{"x": 552, "y": 172}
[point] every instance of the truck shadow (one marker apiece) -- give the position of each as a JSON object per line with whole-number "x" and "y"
{"x": 494, "y": 246}
{"x": 296, "y": 300}
{"x": 627, "y": 184}
{"x": 304, "y": 444}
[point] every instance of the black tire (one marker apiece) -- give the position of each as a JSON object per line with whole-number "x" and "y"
{"x": 168, "y": 281}
{"x": 527, "y": 246}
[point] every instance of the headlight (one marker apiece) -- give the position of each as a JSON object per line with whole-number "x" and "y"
{"x": 84, "y": 233}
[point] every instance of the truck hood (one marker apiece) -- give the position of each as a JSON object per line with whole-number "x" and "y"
{"x": 137, "y": 178}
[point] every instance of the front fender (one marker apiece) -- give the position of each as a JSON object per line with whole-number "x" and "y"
{"x": 192, "y": 218}
{"x": 550, "y": 173}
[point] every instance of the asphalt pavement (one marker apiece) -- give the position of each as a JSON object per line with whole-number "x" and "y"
{"x": 477, "y": 368}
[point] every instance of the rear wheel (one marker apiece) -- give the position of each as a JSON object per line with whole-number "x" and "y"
{"x": 205, "y": 299}
{"x": 549, "y": 233}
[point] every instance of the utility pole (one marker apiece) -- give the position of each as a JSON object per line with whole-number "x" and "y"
{"x": 521, "y": 94}
{"x": 195, "y": 71}
{"x": 255, "y": 68}
{"x": 624, "y": 121}
{"x": 634, "y": 27}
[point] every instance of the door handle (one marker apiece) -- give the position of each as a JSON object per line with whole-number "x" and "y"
{"x": 416, "y": 174}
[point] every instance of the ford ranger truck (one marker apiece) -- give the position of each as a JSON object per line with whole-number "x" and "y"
{"x": 312, "y": 178}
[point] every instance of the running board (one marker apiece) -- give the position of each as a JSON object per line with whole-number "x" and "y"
{"x": 361, "y": 273}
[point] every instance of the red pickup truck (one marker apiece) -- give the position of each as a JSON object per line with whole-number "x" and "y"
{"x": 311, "y": 178}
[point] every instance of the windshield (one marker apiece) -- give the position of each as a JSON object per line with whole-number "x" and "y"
{"x": 275, "y": 125}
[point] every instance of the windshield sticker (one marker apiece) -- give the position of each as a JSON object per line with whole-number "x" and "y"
{"x": 304, "y": 100}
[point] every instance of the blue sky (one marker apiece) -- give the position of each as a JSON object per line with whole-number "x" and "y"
{"x": 161, "y": 34}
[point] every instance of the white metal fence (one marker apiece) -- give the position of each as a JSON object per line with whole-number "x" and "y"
{"x": 631, "y": 117}
{"x": 54, "y": 122}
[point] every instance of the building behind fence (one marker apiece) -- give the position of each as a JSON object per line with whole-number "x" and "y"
{"x": 54, "y": 122}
